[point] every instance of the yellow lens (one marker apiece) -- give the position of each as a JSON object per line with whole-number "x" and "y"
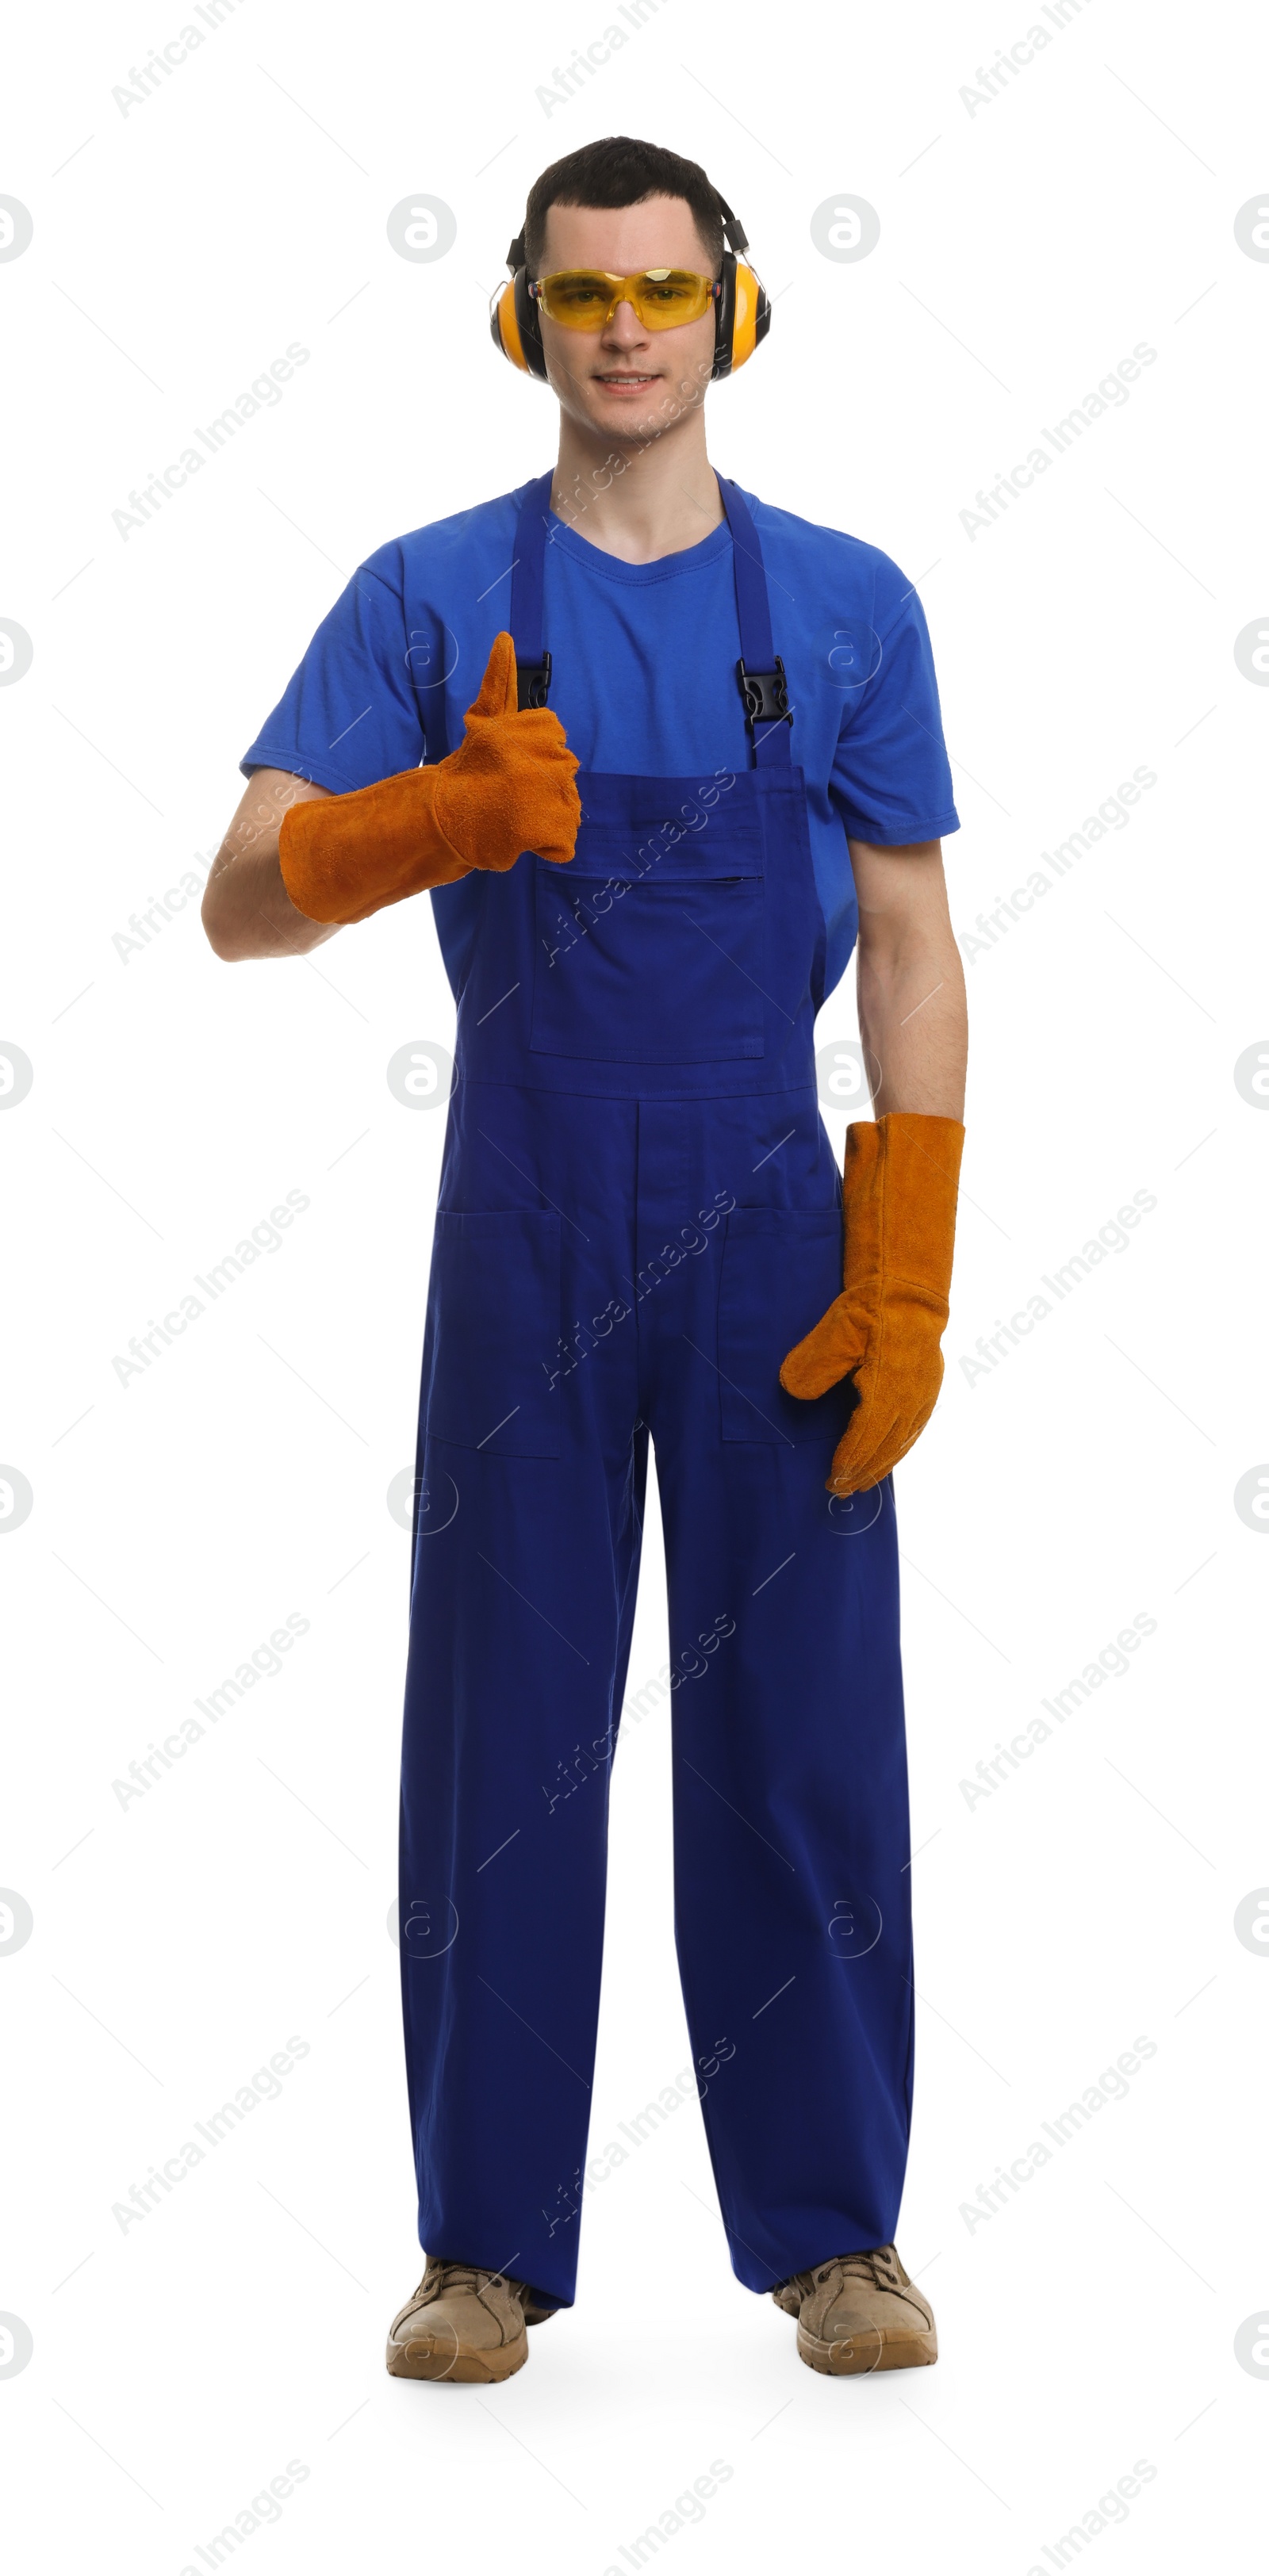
{"x": 664, "y": 296}
{"x": 578, "y": 297}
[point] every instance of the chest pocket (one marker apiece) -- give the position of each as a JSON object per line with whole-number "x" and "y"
{"x": 649, "y": 943}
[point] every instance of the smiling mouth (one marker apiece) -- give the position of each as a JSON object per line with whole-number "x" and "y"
{"x": 620, "y": 380}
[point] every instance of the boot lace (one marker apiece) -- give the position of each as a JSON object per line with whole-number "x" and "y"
{"x": 442, "y": 2276}
{"x": 878, "y": 2266}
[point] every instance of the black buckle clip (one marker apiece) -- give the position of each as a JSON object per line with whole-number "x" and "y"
{"x": 533, "y": 681}
{"x": 765, "y": 694}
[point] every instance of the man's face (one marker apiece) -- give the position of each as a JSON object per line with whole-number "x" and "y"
{"x": 624, "y": 381}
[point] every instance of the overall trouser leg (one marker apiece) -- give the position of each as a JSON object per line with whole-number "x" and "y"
{"x": 791, "y": 1838}
{"x": 790, "y": 1855}
{"x": 526, "y": 1571}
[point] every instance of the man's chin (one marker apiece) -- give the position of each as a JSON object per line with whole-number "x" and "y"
{"x": 632, "y": 414}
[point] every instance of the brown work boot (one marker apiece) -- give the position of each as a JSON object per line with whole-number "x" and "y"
{"x": 463, "y": 2322}
{"x": 860, "y": 2312}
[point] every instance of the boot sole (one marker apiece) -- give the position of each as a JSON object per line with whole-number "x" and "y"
{"x": 856, "y": 2355}
{"x": 429, "y": 2357}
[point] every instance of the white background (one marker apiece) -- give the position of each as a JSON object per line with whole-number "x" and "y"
{"x": 1090, "y": 2323}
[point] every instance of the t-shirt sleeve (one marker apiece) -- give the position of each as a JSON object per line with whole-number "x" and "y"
{"x": 891, "y": 779}
{"x": 351, "y": 713}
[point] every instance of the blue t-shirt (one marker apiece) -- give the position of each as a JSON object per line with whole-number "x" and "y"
{"x": 643, "y": 679}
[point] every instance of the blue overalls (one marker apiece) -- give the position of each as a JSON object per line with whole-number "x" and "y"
{"x": 639, "y": 1214}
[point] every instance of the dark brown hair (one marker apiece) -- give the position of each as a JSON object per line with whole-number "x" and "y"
{"x": 622, "y": 172}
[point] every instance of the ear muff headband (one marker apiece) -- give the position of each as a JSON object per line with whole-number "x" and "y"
{"x": 742, "y": 313}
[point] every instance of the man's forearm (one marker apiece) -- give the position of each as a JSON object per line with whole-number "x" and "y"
{"x": 247, "y": 911}
{"x": 912, "y": 1020}
{"x": 910, "y": 982}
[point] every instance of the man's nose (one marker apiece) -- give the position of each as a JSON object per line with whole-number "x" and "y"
{"x": 625, "y": 325}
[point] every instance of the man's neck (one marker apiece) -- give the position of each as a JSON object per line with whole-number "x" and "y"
{"x": 638, "y": 502}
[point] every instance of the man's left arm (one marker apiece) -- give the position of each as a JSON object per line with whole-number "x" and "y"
{"x": 899, "y": 1179}
{"x": 911, "y": 984}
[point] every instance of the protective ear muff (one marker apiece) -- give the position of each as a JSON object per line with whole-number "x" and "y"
{"x": 513, "y": 317}
{"x": 742, "y": 316}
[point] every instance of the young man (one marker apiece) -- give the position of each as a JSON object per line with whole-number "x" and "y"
{"x": 705, "y": 747}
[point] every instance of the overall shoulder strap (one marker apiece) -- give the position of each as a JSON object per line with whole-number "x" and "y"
{"x": 760, "y": 670}
{"x": 533, "y": 663}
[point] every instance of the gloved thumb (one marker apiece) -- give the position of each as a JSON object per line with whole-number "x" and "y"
{"x": 498, "y": 694}
{"x": 835, "y": 1346}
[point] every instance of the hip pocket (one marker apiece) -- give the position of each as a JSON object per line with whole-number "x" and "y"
{"x": 781, "y": 1269}
{"x": 493, "y": 1333}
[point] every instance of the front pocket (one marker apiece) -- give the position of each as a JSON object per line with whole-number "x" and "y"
{"x": 650, "y": 951}
{"x": 781, "y": 1269}
{"x": 493, "y": 1333}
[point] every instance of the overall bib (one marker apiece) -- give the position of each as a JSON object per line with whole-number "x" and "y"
{"x": 639, "y": 1214}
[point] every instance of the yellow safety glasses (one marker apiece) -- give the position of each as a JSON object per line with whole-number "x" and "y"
{"x": 585, "y": 299}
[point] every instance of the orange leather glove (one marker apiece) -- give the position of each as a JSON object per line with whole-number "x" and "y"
{"x": 508, "y": 787}
{"x": 899, "y": 1202}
